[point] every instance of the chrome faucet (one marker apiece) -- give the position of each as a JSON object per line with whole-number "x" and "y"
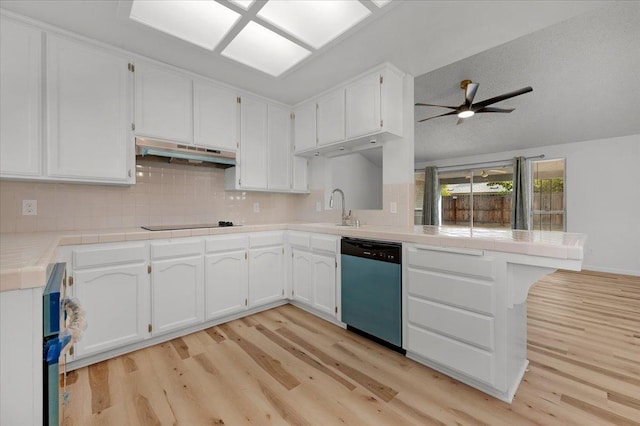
{"x": 345, "y": 217}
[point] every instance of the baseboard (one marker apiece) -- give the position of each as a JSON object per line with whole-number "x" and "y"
{"x": 587, "y": 268}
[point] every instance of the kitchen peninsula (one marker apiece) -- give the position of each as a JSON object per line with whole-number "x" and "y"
{"x": 464, "y": 291}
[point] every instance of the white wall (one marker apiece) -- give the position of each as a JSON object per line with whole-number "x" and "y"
{"x": 603, "y": 197}
{"x": 359, "y": 178}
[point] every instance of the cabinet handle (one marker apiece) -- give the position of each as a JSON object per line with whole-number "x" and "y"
{"x": 245, "y": 302}
{"x": 470, "y": 252}
{"x": 70, "y": 281}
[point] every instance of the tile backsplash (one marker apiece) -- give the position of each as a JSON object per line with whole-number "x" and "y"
{"x": 163, "y": 194}
{"x": 175, "y": 194}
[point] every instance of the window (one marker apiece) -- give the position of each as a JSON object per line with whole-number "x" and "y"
{"x": 548, "y": 199}
{"x": 478, "y": 197}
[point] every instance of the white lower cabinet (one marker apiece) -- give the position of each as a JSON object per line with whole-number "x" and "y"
{"x": 453, "y": 322}
{"x": 301, "y": 276}
{"x": 266, "y": 268}
{"x": 177, "y": 290}
{"x": 324, "y": 283}
{"x": 226, "y": 275}
{"x": 314, "y": 270}
{"x": 112, "y": 284}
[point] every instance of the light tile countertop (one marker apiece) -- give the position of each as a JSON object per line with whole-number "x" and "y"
{"x": 24, "y": 257}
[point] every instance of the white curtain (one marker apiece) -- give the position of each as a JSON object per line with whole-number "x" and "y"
{"x": 431, "y": 200}
{"x": 520, "y": 197}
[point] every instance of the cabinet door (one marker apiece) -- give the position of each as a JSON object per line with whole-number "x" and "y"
{"x": 163, "y": 104}
{"x": 215, "y": 116}
{"x": 301, "y": 270}
{"x": 279, "y": 159}
{"x": 226, "y": 282}
{"x": 177, "y": 293}
{"x": 300, "y": 174}
{"x": 363, "y": 106}
{"x": 324, "y": 283}
{"x": 88, "y": 113}
{"x": 266, "y": 278}
{"x": 331, "y": 118}
{"x": 20, "y": 99}
{"x": 253, "y": 143}
{"x": 116, "y": 302}
{"x": 305, "y": 127}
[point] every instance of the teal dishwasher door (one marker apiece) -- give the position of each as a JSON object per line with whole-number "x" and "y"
{"x": 371, "y": 297}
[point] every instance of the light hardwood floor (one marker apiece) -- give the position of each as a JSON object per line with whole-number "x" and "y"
{"x": 285, "y": 366}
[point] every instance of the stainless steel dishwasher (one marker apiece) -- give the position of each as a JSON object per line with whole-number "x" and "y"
{"x": 372, "y": 290}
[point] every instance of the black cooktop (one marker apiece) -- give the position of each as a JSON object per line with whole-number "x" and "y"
{"x": 220, "y": 224}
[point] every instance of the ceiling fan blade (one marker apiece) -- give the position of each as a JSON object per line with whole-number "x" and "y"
{"x": 441, "y": 115}
{"x": 460, "y": 121}
{"x": 470, "y": 93}
{"x": 493, "y": 109}
{"x": 492, "y": 101}
{"x": 441, "y": 106}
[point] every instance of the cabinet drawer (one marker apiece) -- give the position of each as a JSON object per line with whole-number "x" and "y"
{"x": 266, "y": 239}
{"x": 467, "y": 326}
{"x": 226, "y": 243}
{"x": 324, "y": 243}
{"x": 112, "y": 255}
{"x": 451, "y": 353}
{"x": 176, "y": 249}
{"x": 462, "y": 262}
{"x": 299, "y": 239}
{"x": 451, "y": 289}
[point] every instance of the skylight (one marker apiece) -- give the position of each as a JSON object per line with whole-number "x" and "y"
{"x": 315, "y": 22}
{"x": 203, "y": 23}
{"x": 261, "y": 48}
{"x": 278, "y": 34}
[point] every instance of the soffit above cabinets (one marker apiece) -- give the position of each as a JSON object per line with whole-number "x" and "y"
{"x": 271, "y": 36}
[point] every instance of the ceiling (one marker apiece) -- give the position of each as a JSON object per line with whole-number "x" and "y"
{"x": 584, "y": 73}
{"x": 416, "y": 36}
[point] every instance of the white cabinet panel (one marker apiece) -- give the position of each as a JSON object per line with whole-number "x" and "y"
{"x": 301, "y": 270}
{"x": 451, "y": 353}
{"x": 163, "y": 103}
{"x": 177, "y": 293}
{"x": 305, "y": 127}
{"x": 116, "y": 302}
{"x": 363, "y": 106}
{"x": 253, "y": 143}
{"x": 266, "y": 278}
{"x": 88, "y": 113}
{"x": 21, "y": 357}
{"x": 226, "y": 282}
{"x": 20, "y": 99}
{"x": 324, "y": 283}
{"x": 331, "y": 118}
{"x": 468, "y": 327}
{"x": 279, "y": 148}
{"x": 215, "y": 116}
{"x": 300, "y": 174}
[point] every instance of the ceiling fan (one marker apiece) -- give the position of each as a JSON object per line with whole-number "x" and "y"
{"x": 468, "y": 108}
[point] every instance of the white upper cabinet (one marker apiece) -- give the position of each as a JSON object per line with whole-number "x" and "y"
{"x": 300, "y": 175}
{"x": 215, "y": 116}
{"x": 88, "y": 113}
{"x": 330, "y": 118}
{"x": 253, "y": 143}
{"x": 305, "y": 127}
{"x": 279, "y": 148}
{"x": 163, "y": 103}
{"x": 363, "y": 106}
{"x": 20, "y": 99}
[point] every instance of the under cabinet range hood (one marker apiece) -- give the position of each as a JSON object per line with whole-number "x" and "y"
{"x": 177, "y": 153}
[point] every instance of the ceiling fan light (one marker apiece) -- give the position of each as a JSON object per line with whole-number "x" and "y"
{"x": 466, "y": 114}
